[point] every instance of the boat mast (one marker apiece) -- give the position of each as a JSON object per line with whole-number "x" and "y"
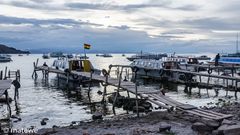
{"x": 237, "y": 43}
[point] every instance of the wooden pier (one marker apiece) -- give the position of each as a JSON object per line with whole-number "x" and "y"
{"x": 152, "y": 95}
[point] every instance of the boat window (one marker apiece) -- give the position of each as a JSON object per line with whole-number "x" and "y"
{"x": 75, "y": 65}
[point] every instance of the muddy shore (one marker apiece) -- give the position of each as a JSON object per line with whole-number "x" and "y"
{"x": 158, "y": 122}
{"x": 125, "y": 125}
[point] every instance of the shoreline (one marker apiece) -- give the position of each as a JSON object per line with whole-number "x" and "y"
{"x": 155, "y": 123}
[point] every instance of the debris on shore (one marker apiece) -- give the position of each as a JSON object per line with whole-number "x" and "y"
{"x": 160, "y": 122}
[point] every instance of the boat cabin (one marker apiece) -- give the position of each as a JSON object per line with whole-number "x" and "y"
{"x": 73, "y": 65}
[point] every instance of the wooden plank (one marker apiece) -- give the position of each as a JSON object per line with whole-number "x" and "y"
{"x": 187, "y": 107}
{"x": 207, "y": 113}
{"x": 219, "y": 114}
{"x": 162, "y": 100}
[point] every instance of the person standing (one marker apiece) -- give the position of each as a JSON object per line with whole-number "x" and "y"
{"x": 217, "y": 59}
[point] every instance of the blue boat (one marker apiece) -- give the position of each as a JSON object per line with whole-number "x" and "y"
{"x": 230, "y": 59}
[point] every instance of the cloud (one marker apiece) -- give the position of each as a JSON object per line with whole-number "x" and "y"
{"x": 38, "y": 22}
{"x": 122, "y": 27}
{"x": 130, "y": 7}
{"x": 213, "y": 23}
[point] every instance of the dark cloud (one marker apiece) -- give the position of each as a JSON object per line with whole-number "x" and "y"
{"x": 122, "y": 27}
{"x": 15, "y": 20}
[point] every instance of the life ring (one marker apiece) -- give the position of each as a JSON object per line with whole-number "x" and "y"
{"x": 209, "y": 71}
{"x": 104, "y": 72}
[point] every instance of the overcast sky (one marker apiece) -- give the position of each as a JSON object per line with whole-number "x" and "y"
{"x": 119, "y": 25}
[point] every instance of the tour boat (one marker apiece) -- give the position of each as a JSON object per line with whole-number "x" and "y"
{"x": 155, "y": 68}
{"x": 75, "y": 64}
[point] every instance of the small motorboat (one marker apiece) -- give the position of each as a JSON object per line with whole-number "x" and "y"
{"x": 46, "y": 56}
{"x": 203, "y": 57}
{"x": 5, "y": 58}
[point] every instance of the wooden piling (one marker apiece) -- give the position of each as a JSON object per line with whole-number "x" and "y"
{"x": 236, "y": 90}
{"x": 118, "y": 88}
{"x": 8, "y": 104}
{"x": 136, "y": 93}
{"x": 1, "y": 75}
{"x": 5, "y": 74}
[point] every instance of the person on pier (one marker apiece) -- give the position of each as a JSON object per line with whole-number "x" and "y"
{"x": 217, "y": 59}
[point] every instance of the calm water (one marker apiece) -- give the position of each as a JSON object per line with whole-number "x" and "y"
{"x": 40, "y": 99}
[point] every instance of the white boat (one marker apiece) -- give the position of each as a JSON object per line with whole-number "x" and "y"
{"x": 203, "y": 57}
{"x": 155, "y": 68}
{"x": 147, "y": 56}
{"x": 104, "y": 55}
{"x": 79, "y": 65}
{"x": 56, "y": 54}
{"x": 5, "y": 58}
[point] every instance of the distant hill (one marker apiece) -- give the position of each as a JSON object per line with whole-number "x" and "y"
{"x": 10, "y": 50}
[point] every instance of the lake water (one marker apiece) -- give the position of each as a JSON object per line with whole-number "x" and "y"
{"x": 40, "y": 99}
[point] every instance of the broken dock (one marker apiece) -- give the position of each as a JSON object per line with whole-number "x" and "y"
{"x": 149, "y": 93}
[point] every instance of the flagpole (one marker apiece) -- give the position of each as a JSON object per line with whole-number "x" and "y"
{"x": 85, "y": 54}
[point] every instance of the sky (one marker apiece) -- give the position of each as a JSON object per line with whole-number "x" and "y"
{"x": 182, "y": 26}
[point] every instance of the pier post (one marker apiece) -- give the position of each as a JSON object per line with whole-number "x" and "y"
{"x": 227, "y": 87}
{"x": 1, "y": 75}
{"x": 136, "y": 93}
{"x": 89, "y": 86}
{"x": 5, "y": 73}
{"x": 105, "y": 84}
{"x": 236, "y": 90}
{"x": 208, "y": 81}
{"x": 118, "y": 88}
{"x": 19, "y": 75}
{"x": 8, "y": 104}
{"x": 135, "y": 70}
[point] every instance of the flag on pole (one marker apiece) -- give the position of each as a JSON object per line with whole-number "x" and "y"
{"x": 87, "y": 46}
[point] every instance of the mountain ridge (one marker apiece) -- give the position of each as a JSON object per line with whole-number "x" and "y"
{"x": 10, "y": 50}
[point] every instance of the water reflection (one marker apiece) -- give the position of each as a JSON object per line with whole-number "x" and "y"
{"x": 50, "y": 98}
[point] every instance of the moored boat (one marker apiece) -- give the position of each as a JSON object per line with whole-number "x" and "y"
{"x": 147, "y": 56}
{"x": 5, "y": 58}
{"x": 79, "y": 65}
{"x": 56, "y": 54}
{"x": 155, "y": 68}
{"x": 203, "y": 57}
{"x": 104, "y": 55}
{"x": 46, "y": 56}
